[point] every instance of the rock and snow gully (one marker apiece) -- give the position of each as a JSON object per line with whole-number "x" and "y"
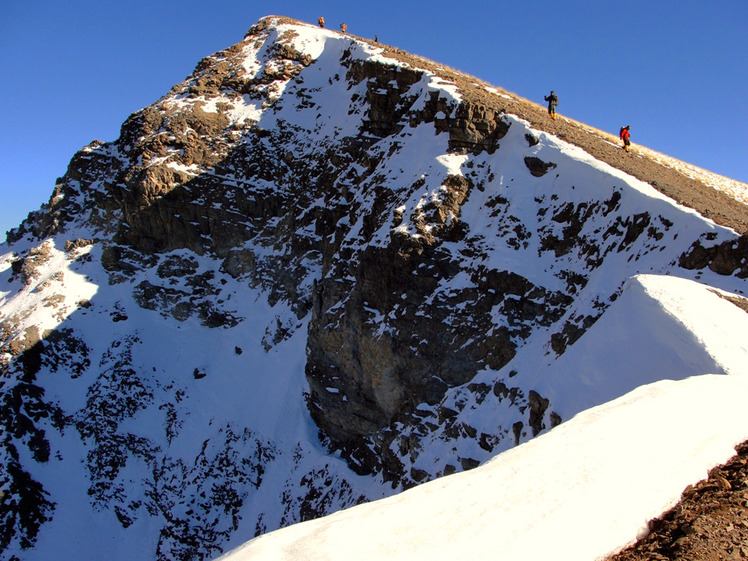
{"x": 319, "y": 272}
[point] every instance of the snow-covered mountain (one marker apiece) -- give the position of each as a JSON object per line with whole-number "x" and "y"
{"x": 321, "y": 271}
{"x": 586, "y": 488}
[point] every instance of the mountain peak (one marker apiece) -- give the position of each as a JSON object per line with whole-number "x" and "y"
{"x": 319, "y": 271}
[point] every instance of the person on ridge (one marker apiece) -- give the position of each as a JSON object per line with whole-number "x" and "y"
{"x": 625, "y": 136}
{"x": 321, "y": 21}
{"x": 343, "y": 27}
{"x": 552, "y": 103}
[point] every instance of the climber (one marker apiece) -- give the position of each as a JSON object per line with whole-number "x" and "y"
{"x": 625, "y": 135}
{"x": 321, "y": 21}
{"x": 343, "y": 27}
{"x": 552, "y": 103}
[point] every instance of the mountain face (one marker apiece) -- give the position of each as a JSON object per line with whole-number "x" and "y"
{"x": 317, "y": 272}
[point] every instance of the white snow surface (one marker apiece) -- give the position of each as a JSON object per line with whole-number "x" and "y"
{"x": 581, "y": 491}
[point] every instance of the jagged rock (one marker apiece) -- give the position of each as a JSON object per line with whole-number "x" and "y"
{"x": 537, "y": 166}
{"x": 469, "y": 463}
{"x": 79, "y": 243}
{"x": 538, "y": 405}
{"x": 517, "y": 430}
{"x": 17, "y": 346}
{"x": 532, "y": 140}
{"x": 726, "y": 258}
{"x": 28, "y": 267}
{"x": 238, "y": 263}
{"x": 488, "y": 441}
{"x": 177, "y": 266}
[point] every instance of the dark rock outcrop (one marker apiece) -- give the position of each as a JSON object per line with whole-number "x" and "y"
{"x": 726, "y": 258}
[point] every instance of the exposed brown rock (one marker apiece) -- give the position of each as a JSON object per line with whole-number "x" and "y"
{"x": 709, "y": 523}
{"x": 27, "y": 267}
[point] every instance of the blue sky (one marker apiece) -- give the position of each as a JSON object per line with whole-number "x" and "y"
{"x": 677, "y": 72}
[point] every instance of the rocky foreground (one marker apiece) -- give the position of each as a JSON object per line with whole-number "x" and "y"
{"x": 709, "y": 523}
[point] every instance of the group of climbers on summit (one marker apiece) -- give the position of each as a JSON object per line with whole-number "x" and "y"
{"x": 624, "y": 134}
{"x": 321, "y": 23}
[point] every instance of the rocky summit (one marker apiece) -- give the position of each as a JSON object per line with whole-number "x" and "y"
{"x": 317, "y": 272}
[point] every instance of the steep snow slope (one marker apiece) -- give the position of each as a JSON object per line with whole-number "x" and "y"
{"x": 311, "y": 276}
{"x": 584, "y": 489}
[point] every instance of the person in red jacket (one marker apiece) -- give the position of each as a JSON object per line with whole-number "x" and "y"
{"x": 625, "y": 135}
{"x": 321, "y": 21}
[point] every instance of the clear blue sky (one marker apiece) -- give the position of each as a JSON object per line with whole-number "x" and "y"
{"x": 676, "y": 71}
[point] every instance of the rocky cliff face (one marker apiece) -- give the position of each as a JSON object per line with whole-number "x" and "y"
{"x": 310, "y": 227}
